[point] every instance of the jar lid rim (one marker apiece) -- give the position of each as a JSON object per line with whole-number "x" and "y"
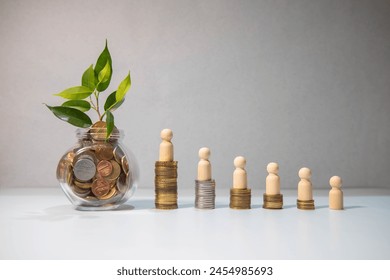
{"x": 117, "y": 133}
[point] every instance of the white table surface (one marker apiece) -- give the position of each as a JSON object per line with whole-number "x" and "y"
{"x": 38, "y": 223}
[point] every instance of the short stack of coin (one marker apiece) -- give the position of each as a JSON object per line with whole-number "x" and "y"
{"x": 205, "y": 194}
{"x": 166, "y": 185}
{"x": 305, "y": 204}
{"x": 240, "y": 198}
{"x": 273, "y": 201}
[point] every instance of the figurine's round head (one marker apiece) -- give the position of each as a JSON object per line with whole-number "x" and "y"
{"x": 273, "y": 167}
{"x": 304, "y": 173}
{"x": 166, "y": 134}
{"x": 204, "y": 153}
{"x": 239, "y": 162}
{"x": 335, "y": 182}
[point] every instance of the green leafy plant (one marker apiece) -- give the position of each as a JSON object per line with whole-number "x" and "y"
{"x": 81, "y": 99}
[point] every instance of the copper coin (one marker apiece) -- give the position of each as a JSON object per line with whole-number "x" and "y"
{"x": 111, "y": 193}
{"x": 61, "y": 169}
{"x": 82, "y": 185}
{"x": 125, "y": 165}
{"x": 99, "y": 131}
{"x": 104, "y": 168}
{"x": 116, "y": 171}
{"x": 69, "y": 157}
{"x": 81, "y": 192}
{"x": 104, "y": 151}
{"x": 100, "y": 187}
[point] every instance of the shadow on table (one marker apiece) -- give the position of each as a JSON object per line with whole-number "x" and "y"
{"x": 353, "y": 207}
{"x": 345, "y": 208}
{"x": 142, "y": 204}
{"x": 321, "y": 206}
{"x": 221, "y": 205}
{"x": 148, "y": 204}
{"x": 58, "y": 213}
{"x": 66, "y": 212}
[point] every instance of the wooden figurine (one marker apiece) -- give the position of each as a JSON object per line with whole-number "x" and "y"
{"x": 166, "y": 147}
{"x": 305, "y": 189}
{"x": 272, "y": 182}
{"x": 336, "y": 194}
{"x": 239, "y": 174}
{"x": 204, "y": 166}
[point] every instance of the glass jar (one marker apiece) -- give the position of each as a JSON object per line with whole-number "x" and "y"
{"x": 98, "y": 173}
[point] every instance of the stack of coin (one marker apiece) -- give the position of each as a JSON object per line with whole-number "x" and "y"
{"x": 205, "y": 194}
{"x": 305, "y": 204}
{"x": 273, "y": 201}
{"x": 166, "y": 185}
{"x": 240, "y": 198}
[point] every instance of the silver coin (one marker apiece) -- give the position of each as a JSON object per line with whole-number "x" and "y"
{"x": 122, "y": 183}
{"x": 205, "y": 193}
{"x": 84, "y": 169}
{"x": 118, "y": 154}
{"x": 205, "y": 198}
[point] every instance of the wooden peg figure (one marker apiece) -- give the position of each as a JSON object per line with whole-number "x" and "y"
{"x": 204, "y": 166}
{"x": 336, "y": 194}
{"x": 166, "y": 147}
{"x": 305, "y": 188}
{"x": 272, "y": 182}
{"x": 239, "y": 174}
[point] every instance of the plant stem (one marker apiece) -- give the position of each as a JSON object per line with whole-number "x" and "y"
{"x": 93, "y": 106}
{"x": 97, "y": 105}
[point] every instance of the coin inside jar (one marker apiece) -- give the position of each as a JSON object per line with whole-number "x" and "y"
{"x": 118, "y": 154}
{"x": 100, "y": 187}
{"x": 110, "y": 194}
{"x": 99, "y": 131}
{"x": 82, "y": 185}
{"x": 104, "y": 151}
{"x": 116, "y": 171}
{"x": 125, "y": 165}
{"x": 104, "y": 168}
{"x": 84, "y": 169}
{"x": 121, "y": 183}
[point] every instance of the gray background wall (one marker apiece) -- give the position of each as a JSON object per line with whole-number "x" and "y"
{"x": 303, "y": 83}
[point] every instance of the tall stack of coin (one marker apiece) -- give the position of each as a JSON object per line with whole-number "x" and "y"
{"x": 205, "y": 194}
{"x": 273, "y": 201}
{"x": 240, "y": 194}
{"x": 166, "y": 184}
{"x": 166, "y": 174}
{"x": 240, "y": 198}
{"x": 97, "y": 169}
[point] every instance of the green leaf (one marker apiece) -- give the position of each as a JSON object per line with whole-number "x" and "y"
{"x": 71, "y": 115}
{"x": 80, "y": 105}
{"x": 100, "y": 64}
{"x": 89, "y": 78}
{"x": 105, "y": 74}
{"x": 123, "y": 88}
{"x": 75, "y": 93}
{"x": 111, "y": 103}
{"x": 110, "y": 123}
